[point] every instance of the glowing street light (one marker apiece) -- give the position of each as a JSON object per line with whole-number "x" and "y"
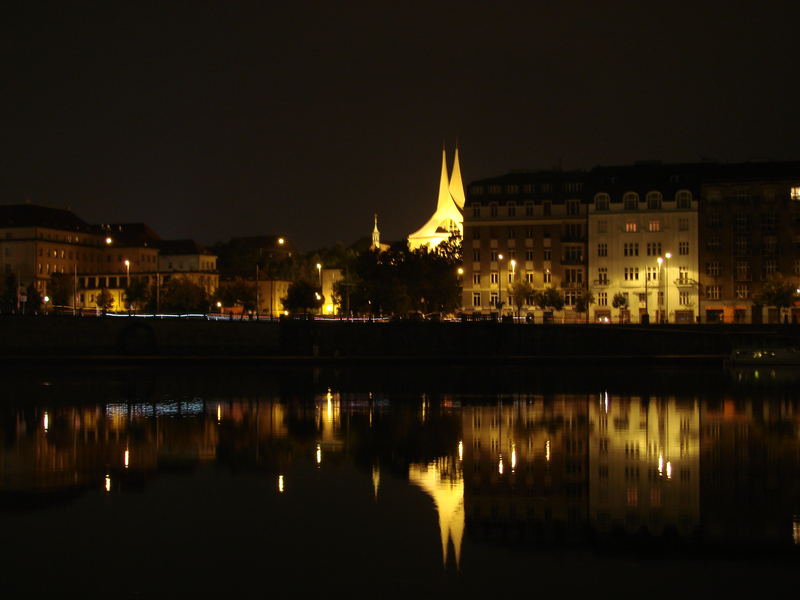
{"x": 500, "y": 291}
{"x": 108, "y": 241}
{"x": 319, "y": 270}
{"x": 127, "y": 273}
{"x": 281, "y": 241}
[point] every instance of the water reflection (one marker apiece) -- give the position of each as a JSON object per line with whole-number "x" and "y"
{"x": 532, "y": 467}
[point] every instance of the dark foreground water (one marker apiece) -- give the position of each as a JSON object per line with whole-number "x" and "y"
{"x": 177, "y": 482}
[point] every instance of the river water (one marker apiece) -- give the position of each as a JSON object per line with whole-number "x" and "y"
{"x": 137, "y": 482}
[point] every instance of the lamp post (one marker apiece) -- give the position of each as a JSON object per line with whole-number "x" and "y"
{"x": 319, "y": 271}
{"x": 127, "y": 273}
{"x": 667, "y": 256}
{"x": 500, "y": 285}
{"x": 513, "y": 278}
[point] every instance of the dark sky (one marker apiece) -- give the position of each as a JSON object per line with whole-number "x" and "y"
{"x": 215, "y": 119}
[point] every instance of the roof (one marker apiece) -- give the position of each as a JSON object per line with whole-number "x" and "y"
{"x": 34, "y": 215}
{"x": 174, "y": 247}
{"x": 130, "y": 234}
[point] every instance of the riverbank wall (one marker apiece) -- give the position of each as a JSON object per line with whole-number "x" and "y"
{"x": 172, "y": 337}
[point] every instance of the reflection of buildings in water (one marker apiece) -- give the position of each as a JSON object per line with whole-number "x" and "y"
{"x": 525, "y": 464}
{"x": 376, "y": 480}
{"x": 644, "y": 464}
{"x": 444, "y": 482}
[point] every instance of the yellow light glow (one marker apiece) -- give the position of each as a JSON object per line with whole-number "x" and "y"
{"x": 513, "y": 457}
{"x": 127, "y": 263}
{"x": 513, "y": 263}
{"x": 46, "y": 421}
{"x": 319, "y": 454}
{"x": 219, "y": 413}
{"x": 108, "y": 483}
{"x": 127, "y": 458}
{"x": 547, "y": 450}
{"x": 219, "y": 304}
{"x": 281, "y": 241}
{"x": 460, "y": 450}
{"x": 330, "y": 407}
{"x": 660, "y": 464}
{"x": 319, "y": 267}
{"x": 500, "y": 465}
{"x": 796, "y": 529}
{"x": 46, "y": 299}
{"x": 280, "y": 483}
{"x": 668, "y": 255}
{"x": 669, "y": 470}
{"x": 460, "y": 271}
{"x": 659, "y": 260}
{"x": 329, "y": 308}
{"x": 500, "y": 257}
{"x": 109, "y": 240}
{"x": 286, "y": 313}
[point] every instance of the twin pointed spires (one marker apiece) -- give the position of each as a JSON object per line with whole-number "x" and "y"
{"x": 450, "y": 189}
{"x": 456, "y": 187}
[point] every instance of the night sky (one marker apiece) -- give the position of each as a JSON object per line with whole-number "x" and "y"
{"x": 216, "y": 119}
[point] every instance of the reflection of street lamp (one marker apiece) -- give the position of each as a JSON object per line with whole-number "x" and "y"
{"x": 127, "y": 273}
{"x": 667, "y": 256}
{"x": 319, "y": 270}
{"x": 219, "y": 306}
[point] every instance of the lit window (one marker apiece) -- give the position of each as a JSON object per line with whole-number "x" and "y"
{"x": 529, "y": 276}
{"x": 494, "y": 277}
{"x": 713, "y": 292}
{"x": 630, "y": 227}
{"x": 683, "y": 248}
{"x": 476, "y": 298}
{"x": 476, "y": 278}
{"x": 654, "y": 225}
{"x": 795, "y": 193}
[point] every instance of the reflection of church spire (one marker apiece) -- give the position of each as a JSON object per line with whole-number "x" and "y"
{"x": 456, "y": 187}
{"x": 376, "y": 480}
{"x": 376, "y": 235}
{"x": 445, "y": 485}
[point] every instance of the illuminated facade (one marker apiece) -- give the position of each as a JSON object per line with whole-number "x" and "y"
{"x": 529, "y": 226}
{"x": 448, "y": 218}
{"x": 643, "y": 242}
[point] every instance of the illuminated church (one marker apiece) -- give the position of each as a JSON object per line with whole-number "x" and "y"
{"x": 448, "y": 217}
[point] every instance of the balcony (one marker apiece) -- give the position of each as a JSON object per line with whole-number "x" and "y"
{"x": 572, "y": 285}
{"x": 601, "y": 282}
{"x": 569, "y": 260}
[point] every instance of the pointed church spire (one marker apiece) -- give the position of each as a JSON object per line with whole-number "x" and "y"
{"x": 444, "y": 192}
{"x": 376, "y": 235}
{"x": 456, "y": 187}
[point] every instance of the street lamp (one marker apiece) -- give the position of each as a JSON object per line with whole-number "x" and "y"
{"x": 127, "y": 273}
{"x": 500, "y": 285}
{"x": 319, "y": 270}
{"x": 281, "y": 241}
{"x": 108, "y": 241}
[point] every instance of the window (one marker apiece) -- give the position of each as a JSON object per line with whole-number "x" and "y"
{"x": 653, "y": 200}
{"x": 652, "y": 273}
{"x": 511, "y": 233}
{"x": 683, "y": 298}
{"x": 642, "y": 298}
{"x": 476, "y": 298}
{"x": 654, "y": 225}
{"x": 630, "y": 227}
{"x": 794, "y": 193}
{"x": 602, "y": 299}
{"x": 476, "y": 210}
{"x": 742, "y": 246}
{"x": 712, "y": 243}
{"x": 476, "y": 255}
{"x": 631, "y": 201}
{"x": 493, "y": 298}
{"x": 631, "y": 273}
{"x": 741, "y": 222}
{"x": 742, "y": 270}
{"x": 527, "y": 188}
{"x": 573, "y": 187}
{"x": 653, "y": 248}
{"x": 569, "y": 298}
{"x": 546, "y": 276}
{"x": 742, "y": 291}
{"x": 769, "y": 246}
{"x": 683, "y": 275}
{"x": 546, "y": 206}
{"x": 602, "y": 276}
{"x": 573, "y": 254}
{"x": 769, "y": 222}
{"x": 493, "y": 210}
{"x": 529, "y": 276}
{"x": 683, "y": 248}
{"x": 602, "y": 226}
{"x": 529, "y": 209}
{"x": 512, "y": 254}
{"x": 476, "y": 233}
{"x": 512, "y": 189}
{"x": 712, "y": 292}
{"x": 546, "y": 255}
{"x": 712, "y": 268}
{"x": 510, "y": 276}
{"x": 770, "y": 268}
{"x": 528, "y": 254}
{"x": 512, "y": 208}
{"x": 573, "y": 275}
{"x": 601, "y": 202}
{"x": 602, "y": 249}
{"x": 493, "y": 256}
{"x": 631, "y": 249}
{"x": 796, "y": 266}
{"x": 529, "y": 234}
{"x": 495, "y": 189}
{"x": 684, "y": 199}
{"x": 476, "y": 278}
{"x": 683, "y": 224}
{"x": 494, "y": 277}
{"x": 573, "y": 207}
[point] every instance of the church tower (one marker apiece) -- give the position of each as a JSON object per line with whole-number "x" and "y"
{"x": 448, "y": 217}
{"x": 376, "y": 236}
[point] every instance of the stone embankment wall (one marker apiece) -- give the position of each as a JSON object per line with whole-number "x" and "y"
{"x": 121, "y": 336}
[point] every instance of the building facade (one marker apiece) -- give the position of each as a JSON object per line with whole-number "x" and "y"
{"x": 524, "y": 226}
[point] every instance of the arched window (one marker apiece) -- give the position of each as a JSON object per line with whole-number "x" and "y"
{"x": 653, "y": 200}
{"x": 601, "y": 202}
{"x": 631, "y": 201}
{"x": 683, "y": 198}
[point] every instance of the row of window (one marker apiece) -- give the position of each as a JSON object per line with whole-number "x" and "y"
{"x": 494, "y": 277}
{"x": 654, "y": 200}
{"x": 495, "y": 255}
{"x": 573, "y": 209}
{"x": 684, "y": 298}
{"x": 743, "y": 268}
{"x": 526, "y": 188}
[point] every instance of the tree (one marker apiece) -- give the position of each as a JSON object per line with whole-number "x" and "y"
{"x": 34, "y": 302}
{"x": 583, "y": 302}
{"x": 302, "y": 297}
{"x": 520, "y": 290}
{"x": 237, "y": 292}
{"x": 620, "y": 301}
{"x": 777, "y": 292}
{"x": 137, "y": 294}
{"x": 104, "y": 300}
{"x": 181, "y": 295}
{"x": 549, "y": 299}
{"x": 61, "y": 289}
{"x": 8, "y": 293}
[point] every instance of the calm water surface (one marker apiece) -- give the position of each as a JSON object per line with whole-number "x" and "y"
{"x": 253, "y": 482}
